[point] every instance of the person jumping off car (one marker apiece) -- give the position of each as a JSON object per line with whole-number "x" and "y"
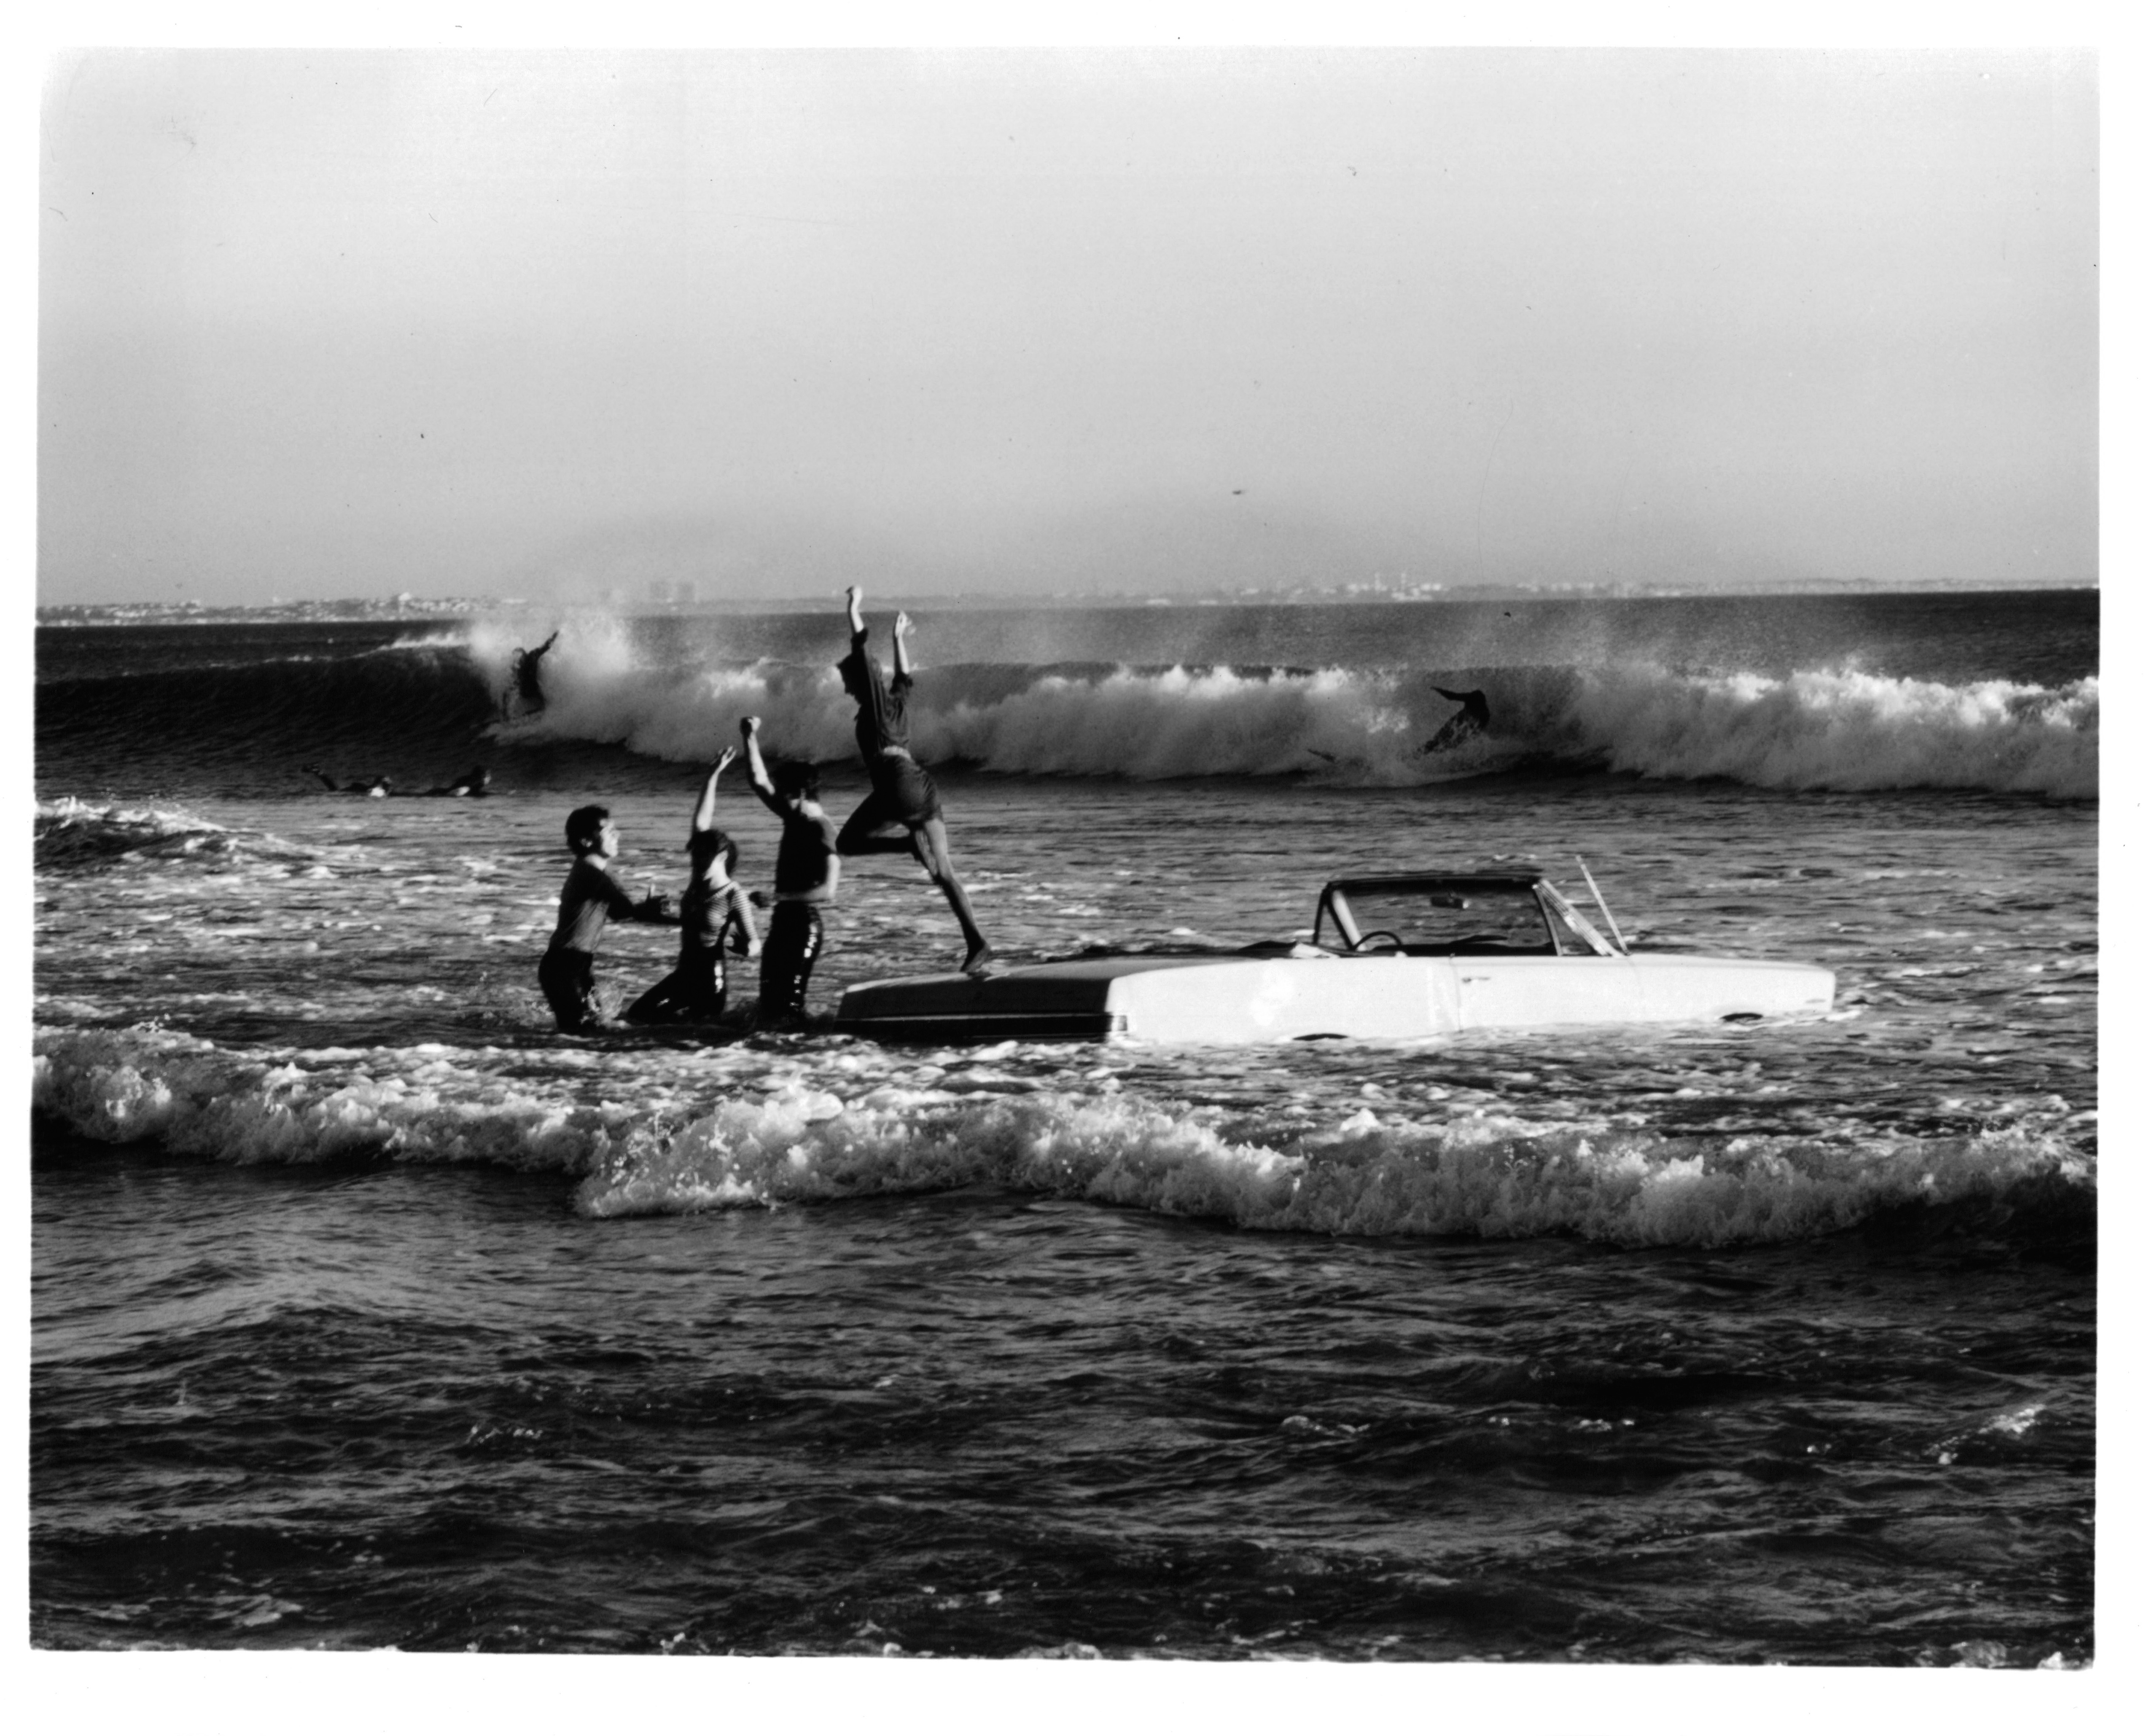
{"x": 903, "y": 793}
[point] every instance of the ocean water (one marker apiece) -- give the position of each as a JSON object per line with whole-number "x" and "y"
{"x": 367, "y": 1311}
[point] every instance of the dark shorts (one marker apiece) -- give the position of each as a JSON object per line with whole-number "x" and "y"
{"x": 567, "y": 977}
{"x": 903, "y": 794}
{"x": 794, "y": 937}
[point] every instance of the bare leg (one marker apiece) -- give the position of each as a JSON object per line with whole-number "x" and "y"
{"x": 861, "y": 836}
{"x": 931, "y": 839}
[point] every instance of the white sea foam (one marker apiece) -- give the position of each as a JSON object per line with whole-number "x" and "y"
{"x": 1816, "y": 729}
{"x": 719, "y": 1140}
{"x": 1844, "y": 730}
{"x": 72, "y": 830}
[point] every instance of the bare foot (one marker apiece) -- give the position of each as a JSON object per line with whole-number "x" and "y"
{"x": 982, "y": 961}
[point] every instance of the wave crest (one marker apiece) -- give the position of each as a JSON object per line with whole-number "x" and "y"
{"x": 1491, "y": 1176}
{"x": 1847, "y": 731}
{"x": 72, "y": 830}
{"x": 1817, "y": 729}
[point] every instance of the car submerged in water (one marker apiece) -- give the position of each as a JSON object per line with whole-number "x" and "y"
{"x": 1392, "y": 956}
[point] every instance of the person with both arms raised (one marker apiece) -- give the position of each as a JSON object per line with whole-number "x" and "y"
{"x": 903, "y": 793}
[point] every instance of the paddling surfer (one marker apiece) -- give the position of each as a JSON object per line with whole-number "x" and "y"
{"x": 375, "y": 788}
{"x": 903, "y": 793}
{"x": 477, "y": 781}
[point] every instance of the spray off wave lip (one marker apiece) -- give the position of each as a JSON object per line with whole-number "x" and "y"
{"x": 1813, "y": 729}
{"x": 1482, "y": 1345}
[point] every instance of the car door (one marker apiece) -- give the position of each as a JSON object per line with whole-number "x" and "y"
{"x": 1497, "y": 994}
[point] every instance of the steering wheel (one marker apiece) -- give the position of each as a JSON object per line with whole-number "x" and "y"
{"x": 1364, "y": 941}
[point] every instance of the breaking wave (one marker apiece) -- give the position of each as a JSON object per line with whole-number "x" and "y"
{"x": 427, "y": 696}
{"x": 81, "y": 836}
{"x": 1836, "y": 730}
{"x": 711, "y": 1147}
{"x": 71, "y": 831}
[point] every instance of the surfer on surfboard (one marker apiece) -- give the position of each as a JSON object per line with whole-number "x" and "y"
{"x": 1473, "y": 719}
{"x": 525, "y": 683}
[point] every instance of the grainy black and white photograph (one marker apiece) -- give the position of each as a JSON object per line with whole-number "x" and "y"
{"x": 1213, "y": 854}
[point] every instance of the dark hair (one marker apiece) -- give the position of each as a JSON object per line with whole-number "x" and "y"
{"x": 794, "y": 778}
{"x": 702, "y": 847}
{"x": 583, "y": 826}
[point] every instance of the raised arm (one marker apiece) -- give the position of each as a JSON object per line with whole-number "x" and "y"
{"x": 756, "y": 769}
{"x": 704, "y": 814}
{"x": 901, "y": 645}
{"x": 855, "y": 600}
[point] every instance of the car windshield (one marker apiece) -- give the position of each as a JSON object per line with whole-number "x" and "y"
{"x": 1431, "y": 917}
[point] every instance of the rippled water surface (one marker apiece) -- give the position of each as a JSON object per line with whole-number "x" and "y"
{"x": 369, "y": 1312}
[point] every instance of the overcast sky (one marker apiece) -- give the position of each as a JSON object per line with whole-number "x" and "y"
{"x": 322, "y": 324}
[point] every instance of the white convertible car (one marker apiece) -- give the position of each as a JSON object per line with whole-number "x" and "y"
{"x": 1393, "y": 956}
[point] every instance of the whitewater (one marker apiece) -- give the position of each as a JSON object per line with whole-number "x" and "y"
{"x": 1517, "y": 1348}
{"x": 1837, "y": 728}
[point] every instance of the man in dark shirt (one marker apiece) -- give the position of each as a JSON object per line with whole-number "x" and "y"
{"x": 591, "y": 897}
{"x": 806, "y": 870}
{"x": 903, "y": 793}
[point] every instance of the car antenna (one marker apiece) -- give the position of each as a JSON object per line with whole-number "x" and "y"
{"x": 1603, "y": 907}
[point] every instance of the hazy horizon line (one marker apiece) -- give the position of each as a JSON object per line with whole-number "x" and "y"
{"x": 405, "y": 605}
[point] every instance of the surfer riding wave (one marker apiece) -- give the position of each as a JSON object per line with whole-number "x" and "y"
{"x": 1472, "y": 720}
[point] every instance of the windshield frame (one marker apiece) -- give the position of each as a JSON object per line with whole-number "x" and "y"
{"x": 1336, "y": 914}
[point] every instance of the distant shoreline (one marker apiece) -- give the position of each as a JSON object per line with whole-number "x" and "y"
{"x": 414, "y": 609}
